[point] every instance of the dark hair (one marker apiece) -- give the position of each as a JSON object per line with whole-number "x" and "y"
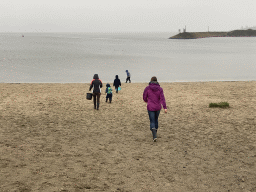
{"x": 96, "y": 76}
{"x": 154, "y": 78}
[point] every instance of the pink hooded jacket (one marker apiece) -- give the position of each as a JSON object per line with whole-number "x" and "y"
{"x": 154, "y": 96}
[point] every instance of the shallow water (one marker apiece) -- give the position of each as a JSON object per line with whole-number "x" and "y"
{"x": 75, "y": 57}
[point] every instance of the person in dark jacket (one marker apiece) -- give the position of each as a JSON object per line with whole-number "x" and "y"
{"x": 96, "y": 84}
{"x": 109, "y": 93}
{"x": 153, "y": 95}
{"x": 116, "y": 83}
{"x": 128, "y": 76}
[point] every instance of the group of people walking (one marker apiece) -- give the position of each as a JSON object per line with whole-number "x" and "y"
{"x": 96, "y": 84}
{"x": 153, "y": 95}
{"x": 116, "y": 83}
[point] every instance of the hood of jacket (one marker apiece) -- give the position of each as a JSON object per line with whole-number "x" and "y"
{"x": 154, "y": 86}
{"x": 96, "y": 76}
{"x": 107, "y": 85}
{"x": 116, "y": 76}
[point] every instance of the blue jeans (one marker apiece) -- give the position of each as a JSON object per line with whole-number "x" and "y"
{"x": 153, "y": 117}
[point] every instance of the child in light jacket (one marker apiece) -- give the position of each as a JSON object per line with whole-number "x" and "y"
{"x": 109, "y": 93}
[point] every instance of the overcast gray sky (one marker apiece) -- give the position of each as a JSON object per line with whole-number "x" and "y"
{"x": 125, "y": 15}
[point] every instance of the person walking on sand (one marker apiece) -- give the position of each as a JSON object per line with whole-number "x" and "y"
{"x": 128, "y": 76}
{"x": 96, "y": 84}
{"x": 116, "y": 83}
{"x": 109, "y": 93}
{"x": 153, "y": 95}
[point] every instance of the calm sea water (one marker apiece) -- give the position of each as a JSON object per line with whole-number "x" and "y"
{"x": 76, "y": 57}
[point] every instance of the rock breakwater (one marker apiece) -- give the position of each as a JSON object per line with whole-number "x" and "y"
{"x": 197, "y": 35}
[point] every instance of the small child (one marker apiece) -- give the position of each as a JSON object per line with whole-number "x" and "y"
{"x": 128, "y": 76}
{"x": 109, "y": 93}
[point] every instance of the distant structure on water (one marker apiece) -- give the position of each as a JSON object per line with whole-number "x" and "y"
{"x": 197, "y": 35}
{"x": 184, "y": 30}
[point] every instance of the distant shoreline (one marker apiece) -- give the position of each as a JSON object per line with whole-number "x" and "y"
{"x": 197, "y": 35}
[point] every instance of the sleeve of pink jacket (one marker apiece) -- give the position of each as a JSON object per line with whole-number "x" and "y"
{"x": 162, "y": 99}
{"x": 145, "y": 95}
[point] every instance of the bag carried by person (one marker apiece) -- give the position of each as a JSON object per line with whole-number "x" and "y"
{"x": 89, "y": 96}
{"x": 119, "y": 89}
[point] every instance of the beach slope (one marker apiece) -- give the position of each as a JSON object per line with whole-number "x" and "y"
{"x": 51, "y": 139}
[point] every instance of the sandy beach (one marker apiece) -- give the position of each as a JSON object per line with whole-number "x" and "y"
{"x": 52, "y": 139}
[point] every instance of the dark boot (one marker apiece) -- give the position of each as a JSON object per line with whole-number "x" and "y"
{"x": 109, "y": 101}
{"x": 154, "y": 134}
{"x": 106, "y": 100}
{"x": 98, "y": 104}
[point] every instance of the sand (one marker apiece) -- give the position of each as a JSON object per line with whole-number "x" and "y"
{"x": 52, "y": 139}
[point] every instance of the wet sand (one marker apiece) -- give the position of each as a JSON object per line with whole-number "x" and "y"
{"x": 51, "y": 139}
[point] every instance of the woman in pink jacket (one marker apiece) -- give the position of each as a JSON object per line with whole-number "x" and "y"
{"x": 154, "y": 96}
